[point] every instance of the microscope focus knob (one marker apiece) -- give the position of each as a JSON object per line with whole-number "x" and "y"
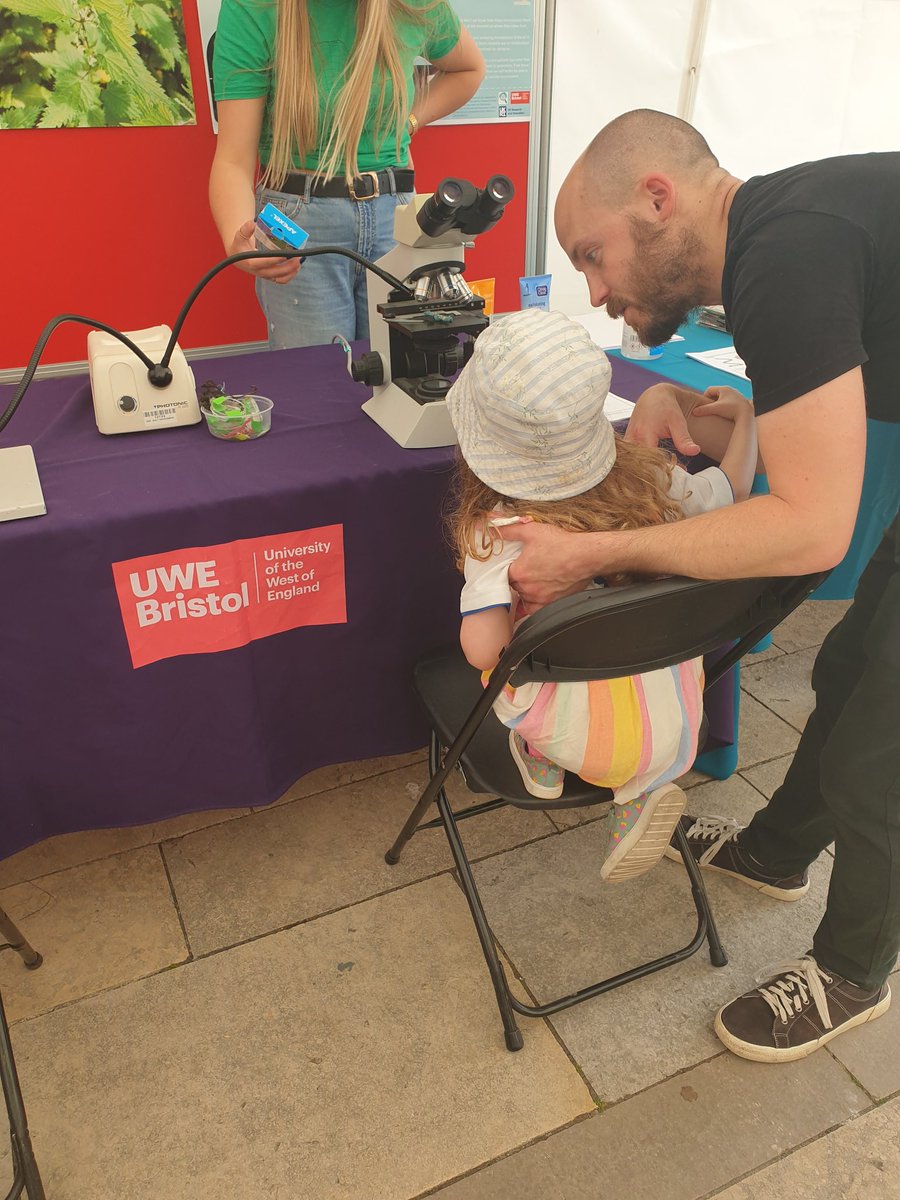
{"x": 368, "y": 369}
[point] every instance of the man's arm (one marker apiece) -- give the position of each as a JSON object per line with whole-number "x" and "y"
{"x": 665, "y": 410}
{"x": 814, "y": 448}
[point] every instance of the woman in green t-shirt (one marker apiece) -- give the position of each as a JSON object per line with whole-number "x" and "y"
{"x": 320, "y": 94}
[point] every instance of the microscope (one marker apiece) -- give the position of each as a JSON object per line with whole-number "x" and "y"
{"x": 420, "y": 342}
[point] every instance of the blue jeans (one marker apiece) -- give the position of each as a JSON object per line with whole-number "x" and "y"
{"x": 327, "y": 296}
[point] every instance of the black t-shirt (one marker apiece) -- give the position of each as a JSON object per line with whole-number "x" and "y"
{"x": 811, "y": 284}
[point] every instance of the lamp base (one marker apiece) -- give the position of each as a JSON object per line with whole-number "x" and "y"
{"x": 125, "y": 400}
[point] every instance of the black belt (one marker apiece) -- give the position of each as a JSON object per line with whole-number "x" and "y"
{"x": 366, "y": 186}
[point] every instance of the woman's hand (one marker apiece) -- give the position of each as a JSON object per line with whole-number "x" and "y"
{"x": 658, "y": 414}
{"x": 551, "y": 564}
{"x": 278, "y": 270}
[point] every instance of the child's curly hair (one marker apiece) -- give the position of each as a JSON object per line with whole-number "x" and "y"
{"x": 633, "y": 495}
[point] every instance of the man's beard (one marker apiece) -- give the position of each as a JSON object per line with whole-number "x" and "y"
{"x": 665, "y": 281}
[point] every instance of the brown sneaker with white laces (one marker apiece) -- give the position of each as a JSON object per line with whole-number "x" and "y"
{"x": 796, "y": 1011}
{"x": 715, "y": 846}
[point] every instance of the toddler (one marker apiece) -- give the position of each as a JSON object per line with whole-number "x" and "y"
{"x": 534, "y": 444}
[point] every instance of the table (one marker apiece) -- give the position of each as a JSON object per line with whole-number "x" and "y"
{"x": 881, "y": 483}
{"x": 89, "y": 741}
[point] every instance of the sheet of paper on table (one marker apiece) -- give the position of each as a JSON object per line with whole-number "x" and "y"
{"x": 725, "y": 359}
{"x": 20, "y": 487}
{"x": 615, "y": 408}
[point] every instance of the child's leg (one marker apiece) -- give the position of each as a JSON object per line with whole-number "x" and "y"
{"x": 639, "y": 832}
{"x": 541, "y": 776}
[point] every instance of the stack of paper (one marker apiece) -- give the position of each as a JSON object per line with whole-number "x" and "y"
{"x": 712, "y": 316}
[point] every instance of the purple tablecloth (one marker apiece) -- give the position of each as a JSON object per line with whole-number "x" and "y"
{"x": 90, "y": 742}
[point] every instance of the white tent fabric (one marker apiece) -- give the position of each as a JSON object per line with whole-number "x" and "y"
{"x": 778, "y": 82}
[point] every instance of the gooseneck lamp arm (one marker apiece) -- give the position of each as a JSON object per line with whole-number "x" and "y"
{"x": 236, "y": 258}
{"x": 160, "y": 374}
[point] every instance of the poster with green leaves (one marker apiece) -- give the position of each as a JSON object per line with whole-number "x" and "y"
{"x": 64, "y": 64}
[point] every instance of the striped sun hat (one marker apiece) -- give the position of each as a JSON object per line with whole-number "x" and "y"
{"x": 528, "y": 408}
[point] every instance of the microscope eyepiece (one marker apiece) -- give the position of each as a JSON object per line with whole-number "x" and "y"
{"x": 449, "y": 193}
{"x": 458, "y": 204}
{"x": 496, "y": 194}
{"x": 500, "y": 189}
{"x": 439, "y": 212}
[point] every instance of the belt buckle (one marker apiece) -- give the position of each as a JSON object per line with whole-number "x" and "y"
{"x": 376, "y": 191}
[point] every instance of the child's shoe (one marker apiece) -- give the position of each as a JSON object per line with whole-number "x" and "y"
{"x": 639, "y": 832}
{"x": 542, "y": 778}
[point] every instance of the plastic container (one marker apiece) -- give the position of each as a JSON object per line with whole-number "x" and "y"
{"x": 238, "y": 418}
{"x": 633, "y": 347}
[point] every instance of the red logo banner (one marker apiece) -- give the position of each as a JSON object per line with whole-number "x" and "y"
{"x": 209, "y": 598}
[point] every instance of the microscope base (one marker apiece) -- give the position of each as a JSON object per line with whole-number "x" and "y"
{"x": 412, "y": 425}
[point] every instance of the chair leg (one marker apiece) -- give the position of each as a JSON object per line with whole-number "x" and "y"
{"x": 26, "y": 1169}
{"x": 435, "y": 793}
{"x": 717, "y": 955}
{"x": 511, "y": 1031}
{"x": 425, "y": 801}
{"x": 13, "y": 937}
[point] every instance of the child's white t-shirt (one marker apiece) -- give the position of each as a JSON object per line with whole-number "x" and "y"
{"x": 487, "y": 580}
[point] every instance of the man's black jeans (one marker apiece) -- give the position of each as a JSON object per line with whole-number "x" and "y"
{"x": 844, "y": 783}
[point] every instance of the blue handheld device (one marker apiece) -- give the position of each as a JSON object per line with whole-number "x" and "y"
{"x": 275, "y": 231}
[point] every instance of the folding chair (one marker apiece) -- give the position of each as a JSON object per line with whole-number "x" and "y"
{"x": 597, "y": 634}
{"x": 25, "y": 1170}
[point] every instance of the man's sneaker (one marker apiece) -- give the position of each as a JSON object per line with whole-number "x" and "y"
{"x": 796, "y": 1011}
{"x": 639, "y": 832}
{"x": 542, "y": 778}
{"x": 714, "y": 845}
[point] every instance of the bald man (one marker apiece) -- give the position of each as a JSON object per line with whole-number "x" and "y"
{"x": 807, "y": 264}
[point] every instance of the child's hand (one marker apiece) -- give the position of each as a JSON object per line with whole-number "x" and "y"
{"x": 725, "y": 402}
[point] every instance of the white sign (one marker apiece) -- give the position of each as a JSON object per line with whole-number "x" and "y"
{"x": 208, "y": 12}
{"x": 726, "y": 359}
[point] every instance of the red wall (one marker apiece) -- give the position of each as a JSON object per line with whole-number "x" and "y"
{"x": 114, "y": 224}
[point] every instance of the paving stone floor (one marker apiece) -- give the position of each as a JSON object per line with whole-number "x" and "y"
{"x": 251, "y": 1003}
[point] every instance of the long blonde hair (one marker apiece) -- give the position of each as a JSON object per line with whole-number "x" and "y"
{"x": 632, "y": 496}
{"x": 295, "y": 110}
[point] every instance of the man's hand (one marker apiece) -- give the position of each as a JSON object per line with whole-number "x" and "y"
{"x": 552, "y": 564}
{"x": 659, "y": 414}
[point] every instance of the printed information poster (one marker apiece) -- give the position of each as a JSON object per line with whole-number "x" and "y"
{"x": 504, "y": 31}
{"x": 209, "y": 598}
{"x": 67, "y": 65}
